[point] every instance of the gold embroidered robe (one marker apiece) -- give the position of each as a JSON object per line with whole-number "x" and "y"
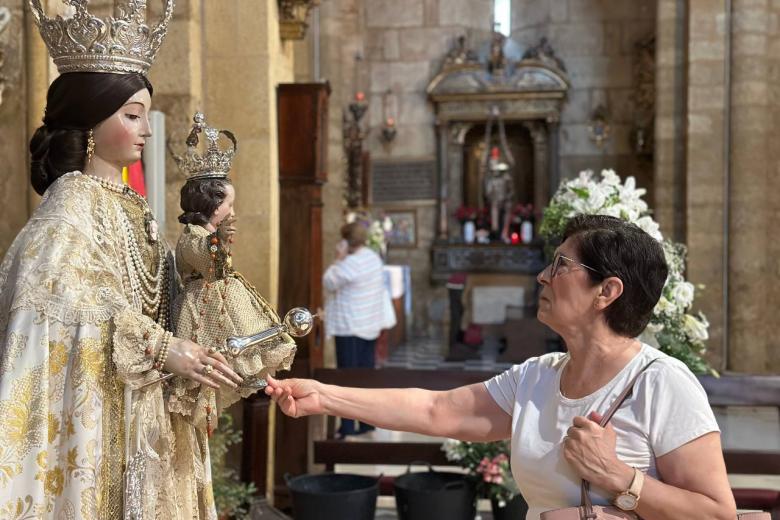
{"x": 72, "y": 358}
{"x": 216, "y": 303}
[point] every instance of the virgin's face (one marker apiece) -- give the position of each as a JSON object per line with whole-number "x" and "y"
{"x": 120, "y": 138}
{"x": 226, "y": 208}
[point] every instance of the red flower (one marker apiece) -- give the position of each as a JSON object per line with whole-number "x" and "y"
{"x": 464, "y": 213}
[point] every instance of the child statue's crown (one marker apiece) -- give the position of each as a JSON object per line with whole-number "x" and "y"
{"x": 215, "y": 162}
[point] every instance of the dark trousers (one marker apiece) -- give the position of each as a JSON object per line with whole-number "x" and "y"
{"x": 354, "y": 352}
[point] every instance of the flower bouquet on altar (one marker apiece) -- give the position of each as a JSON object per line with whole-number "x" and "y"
{"x": 466, "y": 213}
{"x": 673, "y": 329}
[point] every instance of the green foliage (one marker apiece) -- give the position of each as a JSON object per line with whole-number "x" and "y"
{"x": 232, "y": 497}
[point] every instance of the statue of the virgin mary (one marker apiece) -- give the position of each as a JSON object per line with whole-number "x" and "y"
{"x": 85, "y": 292}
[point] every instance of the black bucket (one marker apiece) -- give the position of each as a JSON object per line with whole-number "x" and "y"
{"x": 433, "y": 494}
{"x": 333, "y": 496}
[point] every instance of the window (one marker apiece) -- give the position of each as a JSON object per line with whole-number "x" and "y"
{"x": 502, "y": 16}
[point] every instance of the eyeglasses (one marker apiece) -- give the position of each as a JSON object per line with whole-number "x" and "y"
{"x": 558, "y": 259}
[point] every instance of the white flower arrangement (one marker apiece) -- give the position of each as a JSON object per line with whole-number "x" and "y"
{"x": 673, "y": 328}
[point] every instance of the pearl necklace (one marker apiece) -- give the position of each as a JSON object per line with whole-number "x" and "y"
{"x": 151, "y": 289}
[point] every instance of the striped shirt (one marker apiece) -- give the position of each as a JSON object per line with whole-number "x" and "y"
{"x": 359, "y": 304}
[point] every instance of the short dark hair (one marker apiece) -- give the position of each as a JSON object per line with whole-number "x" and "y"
{"x": 614, "y": 247}
{"x": 76, "y": 102}
{"x": 200, "y": 199}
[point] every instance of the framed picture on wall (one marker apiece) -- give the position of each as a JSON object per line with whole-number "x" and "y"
{"x": 404, "y": 232}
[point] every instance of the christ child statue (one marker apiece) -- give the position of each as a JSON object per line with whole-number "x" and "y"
{"x": 217, "y": 302}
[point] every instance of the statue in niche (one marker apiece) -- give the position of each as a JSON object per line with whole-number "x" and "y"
{"x": 499, "y": 190}
{"x": 497, "y": 60}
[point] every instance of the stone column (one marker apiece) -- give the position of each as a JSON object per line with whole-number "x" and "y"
{"x": 244, "y": 60}
{"x": 19, "y": 40}
{"x": 539, "y": 133}
{"x": 177, "y": 77}
{"x": 554, "y": 139}
{"x": 457, "y": 135}
{"x": 773, "y": 176}
{"x": 443, "y": 179}
{"x": 705, "y": 163}
{"x": 669, "y": 153}
{"x": 751, "y": 279}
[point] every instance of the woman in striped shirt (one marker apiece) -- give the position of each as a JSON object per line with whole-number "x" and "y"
{"x": 357, "y": 307}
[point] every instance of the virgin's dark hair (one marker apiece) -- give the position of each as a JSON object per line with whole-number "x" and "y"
{"x": 613, "y": 247}
{"x": 75, "y": 104}
{"x": 200, "y": 198}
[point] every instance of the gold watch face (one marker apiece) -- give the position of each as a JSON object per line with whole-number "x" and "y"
{"x": 626, "y": 502}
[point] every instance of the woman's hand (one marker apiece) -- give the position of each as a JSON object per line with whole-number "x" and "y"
{"x": 188, "y": 359}
{"x": 296, "y": 397}
{"x": 342, "y": 249}
{"x": 590, "y": 451}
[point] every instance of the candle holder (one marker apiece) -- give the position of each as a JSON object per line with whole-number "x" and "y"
{"x": 353, "y": 146}
{"x": 389, "y": 113}
{"x": 389, "y": 131}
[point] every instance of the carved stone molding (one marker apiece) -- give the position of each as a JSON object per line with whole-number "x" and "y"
{"x": 292, "y": 18}
{"x": 5, "y": 18}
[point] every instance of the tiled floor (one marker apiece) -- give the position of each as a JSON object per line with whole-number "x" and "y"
{"x": 423, "y": 354}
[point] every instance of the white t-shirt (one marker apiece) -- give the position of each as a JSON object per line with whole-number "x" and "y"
{"x": 668, "y": 408}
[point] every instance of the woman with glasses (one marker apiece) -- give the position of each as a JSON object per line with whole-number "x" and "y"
{"x": 660, "y": 455}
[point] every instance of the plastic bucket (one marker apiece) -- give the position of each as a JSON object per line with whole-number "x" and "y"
{"x": 333, "y": 496}
{"x": 433, "y": 494}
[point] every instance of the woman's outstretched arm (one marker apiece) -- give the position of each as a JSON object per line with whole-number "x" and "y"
{"x": 465, "y": 413}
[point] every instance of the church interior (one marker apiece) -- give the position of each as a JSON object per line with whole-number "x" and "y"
{"x": 454, "y": 130}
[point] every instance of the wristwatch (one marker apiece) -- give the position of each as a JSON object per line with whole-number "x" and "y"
{"x": 629, "y": 499}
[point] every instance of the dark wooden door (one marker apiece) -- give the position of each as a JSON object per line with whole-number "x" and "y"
{"x": 302, "y": 120}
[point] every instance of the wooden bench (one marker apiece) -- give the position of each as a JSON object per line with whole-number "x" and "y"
{"x": 754, "y": 391}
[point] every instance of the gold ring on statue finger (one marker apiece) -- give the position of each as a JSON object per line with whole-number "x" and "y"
{"x": 213, "y": 350}
{"x": 208, "y": 369}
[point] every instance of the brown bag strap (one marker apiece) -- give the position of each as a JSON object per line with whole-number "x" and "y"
{"x": 585, "y": 501}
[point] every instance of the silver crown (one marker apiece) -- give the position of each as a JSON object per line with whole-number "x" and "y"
{"x": 85, "y": 43}
{"x": 216, "y": 162}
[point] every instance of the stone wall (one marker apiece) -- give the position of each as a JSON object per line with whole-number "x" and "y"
{"x": 670, "y": 122}
{"x": 405, "y": 43}
{"x": 404, "y": 48}
{"x": 244, "y": 60}
{"x": 773, "y": 176}
{"x": 14, "y": 178}
{"x": 595, "y": 39}
{"x": 753, "y": 219}
{"x": 705, "y": 162}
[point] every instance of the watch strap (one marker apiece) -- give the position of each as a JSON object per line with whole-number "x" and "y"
{"x": 636, "y": 484}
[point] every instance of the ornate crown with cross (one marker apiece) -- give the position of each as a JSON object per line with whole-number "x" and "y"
{"x": 215, "y": 162}
{"x": 82, "y": 42}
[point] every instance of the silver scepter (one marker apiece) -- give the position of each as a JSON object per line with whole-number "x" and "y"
{"x": 298, "y": 322}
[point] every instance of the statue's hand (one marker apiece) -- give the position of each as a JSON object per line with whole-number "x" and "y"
{"x": 188, "y": 359}
{"x": 226, "y": 229}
